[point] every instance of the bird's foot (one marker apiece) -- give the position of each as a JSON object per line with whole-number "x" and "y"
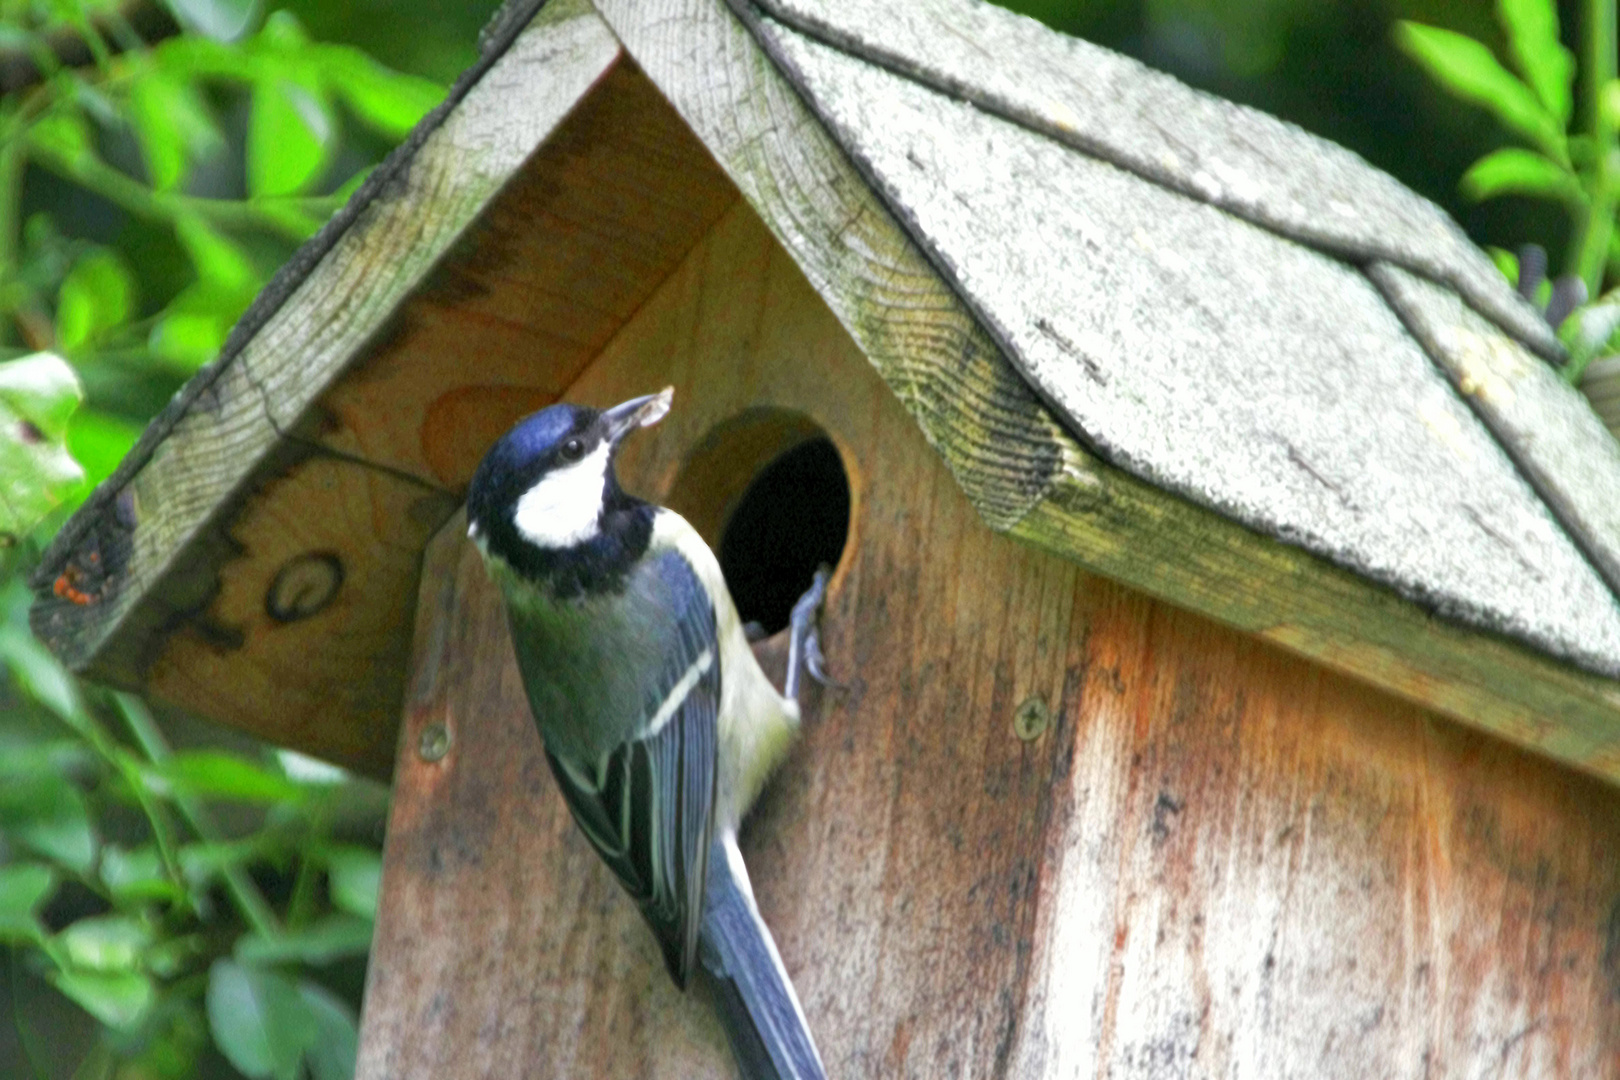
{"x": 804, "y": 637}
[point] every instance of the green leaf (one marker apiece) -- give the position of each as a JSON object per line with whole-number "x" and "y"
{"x": 63, "y": 135}
{"x": 37, "y": 395}
{"x": 1467, "y": 69}
{"x": 171, "y": 956}
{"x": 259, "y": 1020}
{"x": 386, "y": 100}
{"x": 290, "y": 131}
{"x": 47, "y": 815}
{"x": 188, "y": 341}
{"x": 105, "y": 943}
{"x": 189, "y": 57}
{"x": 212, "y": 774}
{"x": 337, "y": 1039}
{"x": 98, "y": 441}
{"x": 284, "y": 34}
{"x": 168, "y": 1047}
{"x": 136, "y": 875}
{"x": 219, "y": 261}
{"x": 202, "y": 862}
{"x": 58, "y": 755}
{"x": 354, "y": 875}
{"x": 119, "y": 999}
{"x": 329, "y": 939}
{"x": 221, "y": 20}
{"x": 1513, "y": 171}
{"x": 194, "y": 326}
{"x": 310, "y": 771}
{"x": 42, "y": 676}
{"x": 24, "y": 888}
{"x": 1609, "y": 103}
{"x": 346, "y": 192}
{"x": 174, "y": 124}
{"x": 96, "y": 296}
{"x": 1549, "y": 68}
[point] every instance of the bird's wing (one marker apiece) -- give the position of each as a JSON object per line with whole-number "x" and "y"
{"x": 648, "y": 806}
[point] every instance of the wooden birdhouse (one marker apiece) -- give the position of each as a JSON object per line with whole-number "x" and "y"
{"x": 1225, "y": 593}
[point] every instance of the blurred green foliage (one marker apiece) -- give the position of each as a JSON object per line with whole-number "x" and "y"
{"x": 148, "y": 190}
{"x": 196, "y": 912}
{"x": 1570, "y": 164}
{"x": 120, "y": 889}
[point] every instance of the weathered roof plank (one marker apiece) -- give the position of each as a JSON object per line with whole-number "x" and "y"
{"x": 1560, "y": 444}
{"x": 1214, "y": 358}
{"x": 1258, "y": 167}
{"x": 236, "y": 417}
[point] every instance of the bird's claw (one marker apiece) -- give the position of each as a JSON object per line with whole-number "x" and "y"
{"x": 804, "y": 640}
{"x": 814, "y": 662}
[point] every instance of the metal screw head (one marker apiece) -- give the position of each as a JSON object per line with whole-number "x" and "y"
{"x": 434, "y": 742}
{"x": 1031, "y": 718}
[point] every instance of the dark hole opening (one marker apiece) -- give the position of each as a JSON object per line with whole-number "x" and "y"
{"x": 793, "y": 517}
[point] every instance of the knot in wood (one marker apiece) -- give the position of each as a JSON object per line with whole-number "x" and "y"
{"x": 1031, "y": 718}
{"x": 304, "y": 586}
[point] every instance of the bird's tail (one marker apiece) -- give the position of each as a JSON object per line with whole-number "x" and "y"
{"x": 753, "y": 995}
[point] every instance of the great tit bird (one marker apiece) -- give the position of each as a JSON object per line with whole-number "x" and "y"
{"x": 658, "y": 723}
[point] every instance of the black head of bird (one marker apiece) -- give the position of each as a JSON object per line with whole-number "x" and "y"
{"x": 546, "y": 501}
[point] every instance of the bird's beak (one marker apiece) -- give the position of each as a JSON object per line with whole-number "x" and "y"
{"x": 637, "y": 413}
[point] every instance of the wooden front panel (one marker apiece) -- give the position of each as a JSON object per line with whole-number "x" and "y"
{"x": 1216, "y": 860}
{"x": 582, "y": 233}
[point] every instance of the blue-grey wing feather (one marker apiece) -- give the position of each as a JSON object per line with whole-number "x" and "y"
{"x": 648, "y": 805}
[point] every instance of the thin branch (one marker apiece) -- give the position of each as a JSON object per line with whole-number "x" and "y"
{"x": 1595, "y": 227}
{"x": 249, "y": 901}
{"x": 292, "y": 218}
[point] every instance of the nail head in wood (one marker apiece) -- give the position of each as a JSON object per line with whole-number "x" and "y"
{"x": 434, "y": 743}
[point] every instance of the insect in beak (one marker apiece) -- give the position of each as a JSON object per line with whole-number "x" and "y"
{"x": 637, "y": 413}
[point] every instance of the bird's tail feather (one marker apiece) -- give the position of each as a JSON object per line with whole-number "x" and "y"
{"x": 752, "y": 993}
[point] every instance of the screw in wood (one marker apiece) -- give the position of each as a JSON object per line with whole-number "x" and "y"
{"x": 434, "y": 742}
{"x": 1031, "y": 719}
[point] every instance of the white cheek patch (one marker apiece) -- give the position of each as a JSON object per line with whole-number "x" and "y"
{"x": 563, "y": 508}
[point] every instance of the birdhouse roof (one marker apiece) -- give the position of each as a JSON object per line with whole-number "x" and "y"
{"x": 1185, "y": 343}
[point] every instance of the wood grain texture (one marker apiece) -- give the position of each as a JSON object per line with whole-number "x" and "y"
{"x": 601, "y": 213}
{"x": 1111, "y": 107}
{"x": 1022, "y": 472}
{"x": 1558, "y": 441}
{"x": 1218, "y": 859}
{"x": 256, "y": 407}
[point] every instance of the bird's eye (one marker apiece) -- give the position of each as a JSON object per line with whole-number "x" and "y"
{"x": 573, "y": 450}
